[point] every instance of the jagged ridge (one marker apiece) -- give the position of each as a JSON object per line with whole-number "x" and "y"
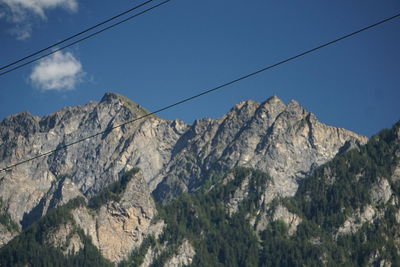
{"x": 285, "y": 140}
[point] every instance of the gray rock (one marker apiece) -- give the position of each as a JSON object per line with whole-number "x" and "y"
{"x": 355, "y": 222}
{"x": 292, "y": 220}
{"x": 65, "y": 238}
{"x": 183, "y": 257}
{"x": 119, "y": 227}
{"x": 381, "y": 192}
{"x": 6, "y": 234}
{"x": 284, "y": 140}
{"x": 266, "y": 215}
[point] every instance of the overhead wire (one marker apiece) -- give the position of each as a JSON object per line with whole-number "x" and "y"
{"x": 81, "y": 39}
{"x": 76, "y": 35}
{"x": 206, "y": 91}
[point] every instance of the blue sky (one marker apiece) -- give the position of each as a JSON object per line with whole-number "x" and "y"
{"x": 189, "y": 46}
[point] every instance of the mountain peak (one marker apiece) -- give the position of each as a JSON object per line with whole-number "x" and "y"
{"x": 111, "y": 97}
{"x": 295, "y": 107}
{"x": 274, "y": 104}
{"x": 274, "y": 99}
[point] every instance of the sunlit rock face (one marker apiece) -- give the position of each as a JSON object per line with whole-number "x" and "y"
{"x": 286, "y": 141}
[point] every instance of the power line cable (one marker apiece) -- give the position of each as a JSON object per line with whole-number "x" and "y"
{"x": 76, "y": 35}
{"x": 84, "y": 38}
{"x": 205, "y": 92}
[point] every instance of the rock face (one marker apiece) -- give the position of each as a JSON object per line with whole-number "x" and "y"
{"x": 66, "y": 239}
{"x": 285, "y": 140}
{"x": 183, "y": 257}
{"x": 291, "y": 220}
{"x": 354, "y": 223}
{"x": 118, "y": 227}
{"x": 380, "y": 194}
{"x": 6, "y": 235}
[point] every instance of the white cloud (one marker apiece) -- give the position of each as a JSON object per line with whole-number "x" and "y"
{"x": 22, "y": 13}
{"x": 60, "y": 71}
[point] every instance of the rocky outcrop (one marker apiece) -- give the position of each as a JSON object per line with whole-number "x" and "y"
{"x": 6, "y": 234}
{"x": 243, "y": 190}
{"x": 119, "y": 227}
{"x": 65, "y": 238}
{"x": 183, "y": 257}
{"x": 8, "y": 229}
{"x": 381, "y": 192}
{"x": 152, "y": 253}
{"x": 355, "y": 222}
{"x": 149, "y": 257}
{"x": 241, "y": 193}
{"x": 292, "y": 220}
{"x": 277, "y": 213}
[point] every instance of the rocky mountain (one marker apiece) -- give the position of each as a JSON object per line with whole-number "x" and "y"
{"x": 286, "y": 141}
{"x": 174, "y": 158}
